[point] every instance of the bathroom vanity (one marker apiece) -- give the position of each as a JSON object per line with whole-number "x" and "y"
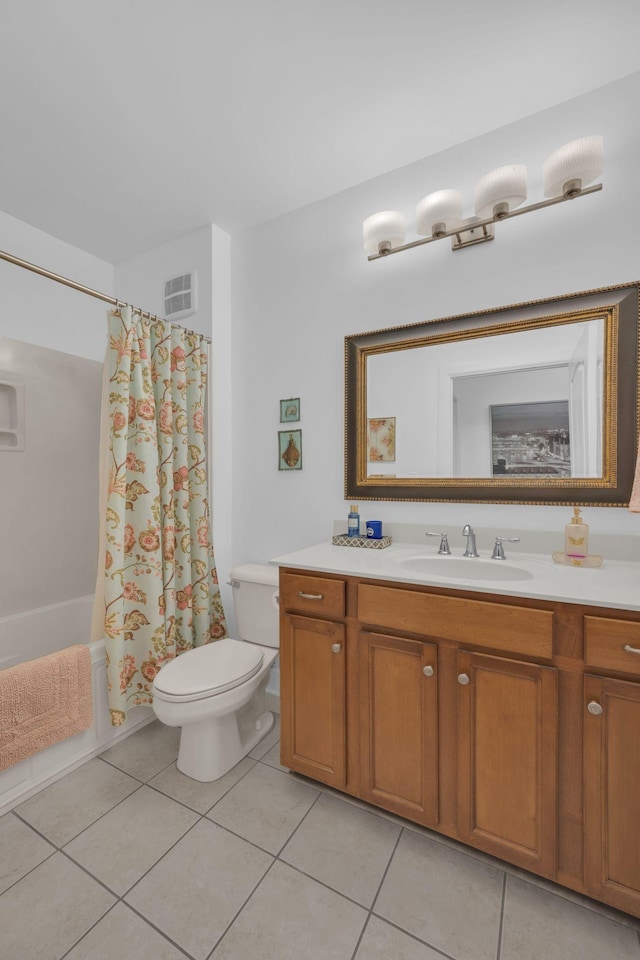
{"x": 495, "y": 702}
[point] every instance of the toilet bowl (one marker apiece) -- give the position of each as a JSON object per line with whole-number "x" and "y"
{"x": 216, "y": 693}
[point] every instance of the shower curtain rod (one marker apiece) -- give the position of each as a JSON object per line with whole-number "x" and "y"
{"x": 92, "y": 293}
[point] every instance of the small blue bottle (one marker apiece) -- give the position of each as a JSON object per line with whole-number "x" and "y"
{"x": 353, "y": 522}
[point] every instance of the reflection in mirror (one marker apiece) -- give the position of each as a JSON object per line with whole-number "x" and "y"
{"x": 527, "y": 402}
{"x": 537, "y": 402}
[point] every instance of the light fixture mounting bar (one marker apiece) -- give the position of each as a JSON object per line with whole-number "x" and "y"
{"x": 489, "y": 220}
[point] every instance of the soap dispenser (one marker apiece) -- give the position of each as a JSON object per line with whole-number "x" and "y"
{"x": 576, "y": 537}
{"x": 353, "y": 521}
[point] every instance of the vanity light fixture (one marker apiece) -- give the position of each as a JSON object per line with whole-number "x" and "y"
{"x": 499, "y": 195}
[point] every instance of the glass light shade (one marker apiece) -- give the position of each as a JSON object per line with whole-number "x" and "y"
{"x": 442, "y": 209}
{"x": 388, "y": 226}
{"x": 579, "y": 160}
{"x": 505, "y": 187}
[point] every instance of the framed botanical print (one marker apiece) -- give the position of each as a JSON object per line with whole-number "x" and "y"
{"x": 290, "y": 410}
{"x": 290, "y": 450}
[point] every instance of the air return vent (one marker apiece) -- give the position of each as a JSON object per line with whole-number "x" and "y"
{"x": 180, "y": 296}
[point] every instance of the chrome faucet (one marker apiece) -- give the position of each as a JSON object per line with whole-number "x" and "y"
{"x": 444, "y": 543}
{"x": 471, "y": 551}
{"x": 498, "y": 549}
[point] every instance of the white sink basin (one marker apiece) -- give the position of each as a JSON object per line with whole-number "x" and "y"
{"x": 464, "y": 568}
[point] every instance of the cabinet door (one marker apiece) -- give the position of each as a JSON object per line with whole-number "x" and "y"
{"x": 399, "y": 732}
{"x": 507, "y": 758}
{"x": 312, "y": 674}
{"x": 612, "y": 791}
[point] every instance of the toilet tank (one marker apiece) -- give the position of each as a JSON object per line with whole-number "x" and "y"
{"x": 255, "y": 601}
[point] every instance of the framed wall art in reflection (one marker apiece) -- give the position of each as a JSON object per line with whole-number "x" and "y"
{"x": 290, "y": 410}
{"x": 290, "y": 450}
{"x": 531, "y": 439}
{"x": 381, "y": 439}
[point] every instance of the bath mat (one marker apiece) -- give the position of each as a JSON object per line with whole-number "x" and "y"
{"x": 43, "y": 701}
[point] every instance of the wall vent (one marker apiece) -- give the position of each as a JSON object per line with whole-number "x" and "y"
{"x": 180, "y": 296}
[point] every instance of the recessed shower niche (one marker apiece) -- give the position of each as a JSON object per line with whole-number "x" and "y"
{"x": 11, "y": 414}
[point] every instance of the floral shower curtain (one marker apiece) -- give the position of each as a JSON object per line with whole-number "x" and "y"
{"x": 157, "y": 594}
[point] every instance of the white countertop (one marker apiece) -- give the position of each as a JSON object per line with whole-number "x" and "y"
{"x": 615, "y": 584}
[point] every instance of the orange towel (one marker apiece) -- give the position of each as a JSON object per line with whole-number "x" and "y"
{"x": 43, "y": 701}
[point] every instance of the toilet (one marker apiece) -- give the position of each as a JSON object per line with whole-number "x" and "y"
{"x": 216, "y": 692}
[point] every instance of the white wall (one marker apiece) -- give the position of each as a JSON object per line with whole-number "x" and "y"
{"x": 40, "y": 311}
{"x": 140, "y": 281}
{"x": 302, "y": 282}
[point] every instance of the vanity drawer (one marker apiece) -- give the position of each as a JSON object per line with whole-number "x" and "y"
{"x": 478, "y": 623}
{"x": 605, "y": 641}
{"x": 316, "y": 596}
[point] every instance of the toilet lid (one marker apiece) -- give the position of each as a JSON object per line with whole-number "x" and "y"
{"x": 208, "y": 670}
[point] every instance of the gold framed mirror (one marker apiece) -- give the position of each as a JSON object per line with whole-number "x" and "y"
{"x": 531, "y": 403}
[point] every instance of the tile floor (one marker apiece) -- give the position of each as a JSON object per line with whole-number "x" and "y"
{"x": 126, "y": 859}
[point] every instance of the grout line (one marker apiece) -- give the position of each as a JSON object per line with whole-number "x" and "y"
{"x": 115, "y": 766}
{"x": 98, "y": 819}
{"x": 502, "y": 906}
{"x": 292, "y": 835}
{"x": 362, "y": 932}
{"x": 386, "y": 871}
{"x": 161, "y": 857}
{"x": 12, "y": 885}
{"x": 322, "y": 883}
{"x": 239, "y": 911}
{"x": 89, "y": 874}
{"x": 413, "y": 936}
{"x": 376, "y": 895}
{"x": 19, "y": 817}
{"x": 165, "y": 936}
{"x": 99, "y": 920}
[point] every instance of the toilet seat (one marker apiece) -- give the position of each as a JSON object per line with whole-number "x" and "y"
{"x": 207, "y": 671}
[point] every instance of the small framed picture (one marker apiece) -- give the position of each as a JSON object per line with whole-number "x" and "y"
{"x": 290, "y": 410}
{"x": 381, "y": 439}
{"x": 290, "y": 450}
{"x": 531, "y": 438}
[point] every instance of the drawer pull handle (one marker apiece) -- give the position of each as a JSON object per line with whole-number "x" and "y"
{"x": 310, "y": 596}
{"x": 336, "y": 647}
{"x": 463, "y": 679}
{"x": 594, "y": 708}
{"x": 630, "y": 649}
{"x": 428, "y": 671}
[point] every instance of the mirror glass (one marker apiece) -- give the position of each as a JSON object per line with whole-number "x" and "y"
{"x": 531, "y": 403}
{"x": 523, "y": 403}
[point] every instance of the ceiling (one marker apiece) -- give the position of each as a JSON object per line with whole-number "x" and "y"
{"x": 127, "y": 123}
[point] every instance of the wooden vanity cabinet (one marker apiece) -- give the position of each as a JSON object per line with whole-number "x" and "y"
{"x": 511, "y": 725}
{"x": 313, "y": 678}
{"x": 398, "y": 712}
{"x": 507, "y": 759}
{"x": 612, "y": 762}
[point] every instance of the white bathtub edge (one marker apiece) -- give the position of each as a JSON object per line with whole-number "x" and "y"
{"x": 23, "y": 780}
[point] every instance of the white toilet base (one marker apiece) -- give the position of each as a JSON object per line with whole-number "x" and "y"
{"x": 208, "y": 751}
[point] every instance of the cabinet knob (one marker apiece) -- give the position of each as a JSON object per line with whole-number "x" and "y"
{"x": 463, "y": 679}
{"x": 428, "y": 671}
{"x": 594, "y": 708}
{"x": 336, "y": 647}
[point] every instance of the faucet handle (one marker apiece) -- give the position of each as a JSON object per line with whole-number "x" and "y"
{"x": 444, "y": 543}
{"x": 498, "y": 549}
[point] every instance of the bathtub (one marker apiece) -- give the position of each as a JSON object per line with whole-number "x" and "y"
{"x": 35, "y": 633}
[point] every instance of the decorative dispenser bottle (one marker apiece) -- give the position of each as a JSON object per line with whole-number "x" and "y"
{"x": 576, "y": 537}
{"x": 353, "y": 521}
